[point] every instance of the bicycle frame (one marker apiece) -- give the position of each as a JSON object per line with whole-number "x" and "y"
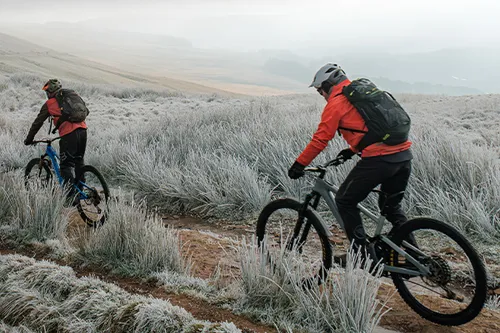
{"x": 54, "y": 157}
{"x": 327, "y": 191}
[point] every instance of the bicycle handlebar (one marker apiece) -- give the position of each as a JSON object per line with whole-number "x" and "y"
{"x": 322, "y": 168}
{"x": 47, "y": 141}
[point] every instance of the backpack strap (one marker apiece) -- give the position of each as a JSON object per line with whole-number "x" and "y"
{"x": 351, "y": 130}
{"x": 345, "y": 128}
{"x": 62, "y": 118}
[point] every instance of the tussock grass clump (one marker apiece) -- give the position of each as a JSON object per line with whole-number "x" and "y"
{"x": 274, "y": 293}
{"x": 34, "y": 213}
{"x": 42, "y": 296}
{"x": 133, "y": 242}
{"x": 494, "y": 303}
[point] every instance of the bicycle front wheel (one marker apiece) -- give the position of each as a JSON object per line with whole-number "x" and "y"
{"x": 93, "y": 200}
{"x": 37, "y": 172}
{"x": 288, "y": 231}
{"x": 454, "y": 292}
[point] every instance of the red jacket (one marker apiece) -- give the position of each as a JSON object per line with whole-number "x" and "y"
{"x": 55, "y": 111}
{"x": 339, "y": 112}
{"x": 51, "y": 108}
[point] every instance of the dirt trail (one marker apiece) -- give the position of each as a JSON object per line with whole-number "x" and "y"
{"x": 213, "y": 244}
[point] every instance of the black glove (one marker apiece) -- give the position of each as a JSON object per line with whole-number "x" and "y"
{"x": 346, "y": 154}
{"x": 296, "y": 171}
{"x": 28, "y": 141}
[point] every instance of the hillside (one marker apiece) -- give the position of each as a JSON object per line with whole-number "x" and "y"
{"x": 156, "y": 55}
{"x": 17, "y": 55}
{"x": 268, "y": 71}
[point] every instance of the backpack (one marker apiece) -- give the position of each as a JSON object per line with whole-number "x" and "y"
{"x": 385, "y": 118}
{"x": 73, "y": 108}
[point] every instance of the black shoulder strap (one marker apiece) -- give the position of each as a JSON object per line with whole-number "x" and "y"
{"x": 352, "y": 130}
{"x": 62, "y": 118}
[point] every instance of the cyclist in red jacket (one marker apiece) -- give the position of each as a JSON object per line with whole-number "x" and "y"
{"x": 73, "y": 135}
{"x": 380, "y": 164}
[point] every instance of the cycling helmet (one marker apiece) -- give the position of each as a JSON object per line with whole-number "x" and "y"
{"x": 52, "y": 86}
{"x": 331, "y": 73}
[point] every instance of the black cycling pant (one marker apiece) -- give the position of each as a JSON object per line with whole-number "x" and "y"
{"x": 72, "y": 151}
{"x": 363, "y": 178}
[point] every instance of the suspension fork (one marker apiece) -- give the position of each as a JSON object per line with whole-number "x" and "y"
{"x": 43, "y": 160}
{"x": 300, "y": 220}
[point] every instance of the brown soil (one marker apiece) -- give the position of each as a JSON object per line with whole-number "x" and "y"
{"x": 211, "y": 245}
{"x": 400, "y": 318}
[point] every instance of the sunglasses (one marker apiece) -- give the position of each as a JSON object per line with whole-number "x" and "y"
{"x": 320, "y": 91}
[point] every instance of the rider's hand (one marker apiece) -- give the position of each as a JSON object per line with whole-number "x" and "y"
{"x": 296, "y": 171}
{"x": 346, "y": 154}
{"x": 28, "y": 141}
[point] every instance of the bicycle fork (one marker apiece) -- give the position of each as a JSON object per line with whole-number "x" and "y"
{"x": 300, "y": 222}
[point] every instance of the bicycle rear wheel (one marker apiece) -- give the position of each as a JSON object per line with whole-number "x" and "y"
{"x": 287, "y": 231}
{"x": 93, "y": 201}
{"x": 455, "y": 290}
{"x": 37, "y": 172}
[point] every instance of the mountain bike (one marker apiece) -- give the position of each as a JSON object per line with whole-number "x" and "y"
{"x": 437, "y": 261}
{"x": 92, "y": 192}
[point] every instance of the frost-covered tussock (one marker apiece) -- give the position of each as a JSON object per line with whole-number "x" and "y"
{"x": 42, "y": 296}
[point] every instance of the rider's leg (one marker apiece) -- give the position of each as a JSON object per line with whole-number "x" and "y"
{"x": 366, "y": 175}
{"x": 68, "y": 151}
{"x": 396, "y": 184}
{"x": 81, "y": 145}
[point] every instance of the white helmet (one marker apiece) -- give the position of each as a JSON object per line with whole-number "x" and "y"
{"x": 329, "y": 72}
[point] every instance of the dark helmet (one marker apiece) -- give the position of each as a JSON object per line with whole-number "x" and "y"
{"x": 330, "y": 73}
{"x": 52, "y": 86}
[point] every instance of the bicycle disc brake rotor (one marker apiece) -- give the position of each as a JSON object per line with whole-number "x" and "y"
{"x": 92, "y": 197}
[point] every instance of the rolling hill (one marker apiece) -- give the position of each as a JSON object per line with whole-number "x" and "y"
{"x": 450, "y": 72}
{"x": 17, "y": 55}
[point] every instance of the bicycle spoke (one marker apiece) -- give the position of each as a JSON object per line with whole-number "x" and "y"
{"x": 426, "y": 287}
{"x": 289, "y": 233}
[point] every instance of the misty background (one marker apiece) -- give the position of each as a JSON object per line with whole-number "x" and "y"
{"x": 260, "y": 47}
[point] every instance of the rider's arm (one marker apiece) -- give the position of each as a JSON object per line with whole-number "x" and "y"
{"x": 325, "y": 132}
{"x": 38, "y": 122}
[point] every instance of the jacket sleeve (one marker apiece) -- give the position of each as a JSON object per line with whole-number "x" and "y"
{"x": 325, "y": 132}
{"x": 38, "y": 122}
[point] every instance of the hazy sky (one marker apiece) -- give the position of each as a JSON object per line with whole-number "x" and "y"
{"x": 292, "y": 24}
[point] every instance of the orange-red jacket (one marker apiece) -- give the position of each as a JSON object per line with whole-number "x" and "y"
{"x": 339, "y": 112}
{"x": 51, "y": 108}
{"x": 55, "y": 111}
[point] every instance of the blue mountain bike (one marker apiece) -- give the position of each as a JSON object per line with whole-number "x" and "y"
{"x": 92, "y": 192}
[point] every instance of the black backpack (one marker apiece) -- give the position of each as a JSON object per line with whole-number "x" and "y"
{"x": 385, "y": 118}
{"x": 73, "y": 108}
